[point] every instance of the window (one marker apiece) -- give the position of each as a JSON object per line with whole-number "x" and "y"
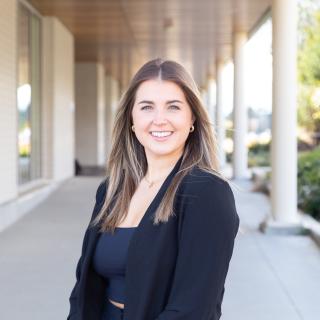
{"x": 28, "y": 96}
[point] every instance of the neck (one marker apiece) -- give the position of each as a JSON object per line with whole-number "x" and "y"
{"x": 160, "y": 167}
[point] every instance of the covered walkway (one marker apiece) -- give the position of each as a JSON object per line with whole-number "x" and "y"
{"x": 270, "y": 277}
{"x": 84, "y": 54}
{"x": 98, "y": 46}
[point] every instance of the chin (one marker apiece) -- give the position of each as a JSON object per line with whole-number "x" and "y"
{"x": 161, "y": 152}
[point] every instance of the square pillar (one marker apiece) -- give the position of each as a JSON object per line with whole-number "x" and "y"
{"x": 220, "y": 121}
{"x": 90, "y": 114}
{"x": 57, "y": 100}
{"x": 240, "y": 152}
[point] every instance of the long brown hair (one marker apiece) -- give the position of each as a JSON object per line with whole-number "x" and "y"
{"x": 127, "y": 163}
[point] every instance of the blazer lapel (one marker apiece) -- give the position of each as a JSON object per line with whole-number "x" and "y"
{"x": 133, "y": 245}
{"x": 93, "y": 232}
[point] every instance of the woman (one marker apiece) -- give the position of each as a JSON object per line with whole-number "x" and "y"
{"x": 162, "y": 231}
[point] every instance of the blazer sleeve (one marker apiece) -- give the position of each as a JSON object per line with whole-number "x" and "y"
{"x": 74, "y": 293}
{"x": 209, "y": 227}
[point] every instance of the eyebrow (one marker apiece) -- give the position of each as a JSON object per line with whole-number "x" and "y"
{"x": 151, "y": 102}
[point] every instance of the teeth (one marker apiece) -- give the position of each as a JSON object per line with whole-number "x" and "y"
{"x": 161, "y": 133}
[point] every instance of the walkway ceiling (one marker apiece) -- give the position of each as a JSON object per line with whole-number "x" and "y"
{"x": 123, "y": 34}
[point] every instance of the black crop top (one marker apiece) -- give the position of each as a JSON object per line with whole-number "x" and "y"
{"x": 109, "y": 260}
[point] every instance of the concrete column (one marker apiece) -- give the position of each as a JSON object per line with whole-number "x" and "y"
{"x": 58, "y": 103}
{"x": 129, "y": 67}
{"x": 240, "y": 153}
{"x": 284, "y": 218}
{"x": 123, "y": 69}
{"x": 220, "y": 121}
{"x": 204, "y": 97}
{"x": 112, "y": 100}
{"x": 108, "y": 115}
{"x": 207, "y": 99}
{"x": 212, "y": 99}
{"x": 90, "y": 117}
{"x": 101, "y": 104}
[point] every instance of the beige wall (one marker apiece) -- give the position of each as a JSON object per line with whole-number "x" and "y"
{"x": 8, "y": 106}
{"x": 90, "y": 114}
{"x": 58, "y": 100}
{"x": 101, "y": 99}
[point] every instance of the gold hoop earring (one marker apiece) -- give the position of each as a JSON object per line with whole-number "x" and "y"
{"x": 132, "y": 128}
{"x": 192, "y": 128}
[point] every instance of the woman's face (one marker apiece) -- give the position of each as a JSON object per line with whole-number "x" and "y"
{"x": 161, "y": 117}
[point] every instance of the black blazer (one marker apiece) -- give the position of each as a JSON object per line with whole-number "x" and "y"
{"x": 175, "y": 270}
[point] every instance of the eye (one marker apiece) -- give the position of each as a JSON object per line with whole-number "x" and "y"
{"x": 146, "y": 107}
{"x": 175, "y": 107}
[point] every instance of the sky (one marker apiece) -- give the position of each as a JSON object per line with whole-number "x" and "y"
{"x": 258, "y": 76}
{"x": 258, "y": 66}
{"x": 259, "y": 69}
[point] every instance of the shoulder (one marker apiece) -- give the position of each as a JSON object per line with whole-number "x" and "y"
{"x": 99, "y": 197}
{"x": 102, "y": 190}
{"x": 199, "y": 182}
{"x": 204, "y": 197}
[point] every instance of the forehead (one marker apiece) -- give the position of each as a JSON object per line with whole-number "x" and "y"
{"x": 160, "y": 90}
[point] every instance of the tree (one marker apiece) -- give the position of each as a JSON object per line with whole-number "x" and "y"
{"x": 309, "y": 68}
{"x": 309, "y": 53}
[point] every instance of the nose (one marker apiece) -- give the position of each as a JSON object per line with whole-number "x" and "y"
{"x": 159, "y": 117}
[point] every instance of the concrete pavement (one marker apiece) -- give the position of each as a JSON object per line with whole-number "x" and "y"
{"x": 270, "y": 277}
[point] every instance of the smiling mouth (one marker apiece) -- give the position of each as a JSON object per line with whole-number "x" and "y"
{"x": 161, "y": 134}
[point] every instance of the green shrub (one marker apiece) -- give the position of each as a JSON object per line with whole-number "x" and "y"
{"x": 309, "y": 182}
{"x": 259, "y": 147}
{"x": 259, "y": 155}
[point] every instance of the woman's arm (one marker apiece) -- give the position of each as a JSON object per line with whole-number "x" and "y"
{"x": 210, "y": 224}
{"x": 74, "y": 293}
